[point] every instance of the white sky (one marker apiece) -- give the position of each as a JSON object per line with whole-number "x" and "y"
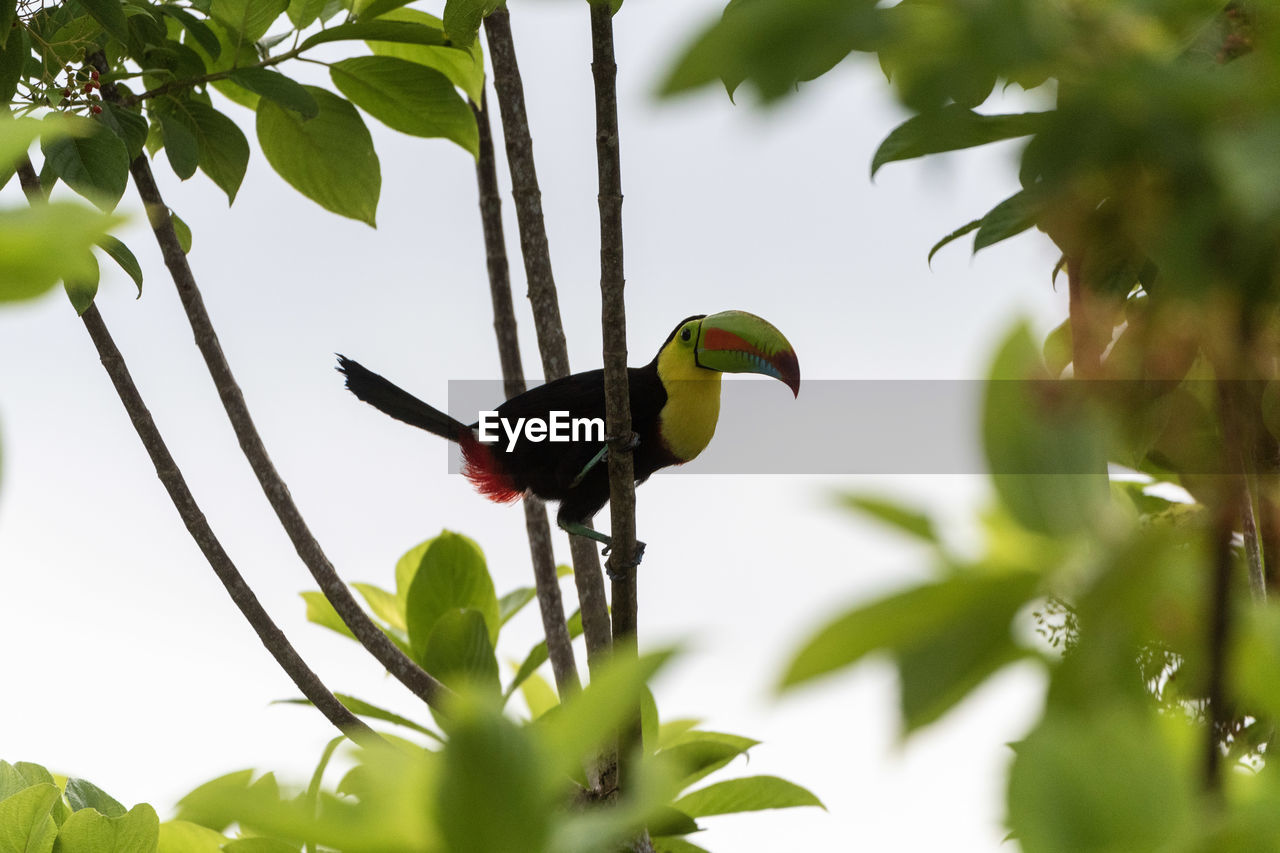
{"x": 125, "y": 662}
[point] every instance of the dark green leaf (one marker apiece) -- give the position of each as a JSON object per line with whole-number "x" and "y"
{"x": 329, "y": 159}
{"x": 198, "y": 29}
{"x": 954, "y": 235}
{"x": 279, "y": 88}
{"x": 13, "y": 54}
{"x": 408, "y": 97}
{"x": 406, "y": 32}
{"x": 462, "y": 18}
{"x": 83, "y": 794}
{"x": 452, "y": 575}
{"x": 120, "y": 253}
{"x": 126, "y": 124}
{"x": 8, "y": 11}
{"x": 180, "y": 146}
{"x": 109, "y": 13}
{"x": 95, "y": 163}
{"x": 749, "y": 794}
{"x": 949, "y": 129}
{"x": 459, "y": 652}
{"x": 379, "y": 8}
{"x": 1012, "y": 216}
{"x": 184, "y": 233}
{"x": 249, "y": 18}
{"x": 224, "y": 151}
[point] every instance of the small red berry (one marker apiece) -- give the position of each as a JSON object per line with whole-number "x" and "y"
{"x": 93, "y": 74}
{"x": 95, "y": 109}
{"x": 66, "y": 93}
{"x": 88, "y": 87}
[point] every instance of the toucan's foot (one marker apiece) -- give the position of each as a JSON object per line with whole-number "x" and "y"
{"x": 619, "y": 572}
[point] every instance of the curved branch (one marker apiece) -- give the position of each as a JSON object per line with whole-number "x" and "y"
{"x": 349, "y": 610}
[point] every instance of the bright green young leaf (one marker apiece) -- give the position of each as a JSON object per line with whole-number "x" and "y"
{"x": 1012, "y": 216}
{"x": 283, "y": 90}
{"x": 698, "y": 754}
{"x": 452, "y": 575}
{"x": 41, "y": 245}
{"x": 94, "y": 163}
{"x": 749, "y": 794}
{"x": 88, "y": 831}
{"x": 460, "y": 653}
{"x": 110, "y": 14}
{"x": 192, "y": 808}
{"x": 180, "y": 146}
{"x": 82, "y": 290}
{"x": 949, "y": 129}
{"x": 405, "y": 32}
{"x": 901, "y": 518}
{"x": 12, "y": 780}
{"x": 675, "y": 844}
{"x": 25, "y": 823}
{"x": 304, "y": 13}
{"x": 120, "y": 254}
{"x": 538, "y": 654}
{"x": 1044, "y": 445}
{"x": 1123, "y": 781}
{"x": 249, "y": 18}
{"x": 465, "y": 68}
{"x": 462, "y": 18}
{"x": 407, "y": 97}
{"x": 539, "y": 695}
{"x": 329, "y": 158}
{"x": 513, "y": 602}
{"x": 321, "y": 612}
{"x": 260, "y": 844}
{"x": 384, "y": 605}
{"x": 365, "y": 709}
{"x": 224, "y": 151}
{"x": 180, "y": 836}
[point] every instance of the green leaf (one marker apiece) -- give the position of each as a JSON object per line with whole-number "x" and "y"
{"x": 180, "y": 836}
{"x": 675, "y": 844}
{"x": 285, "y": 91}
{"x": 908, "y": 521}
{"x": 1057, "y": 349}
{"x": 95, "y": 163}
{"x": 25, "y": 823}
{"x": 1012, "y": 216}
{"x": 1046, "y": 447}
{"x": 459, "y": 652}
{"x": 304, "y": 13}
{"x": 384, "y": 604}
{"x": 198, "y": 29}
{"x": 329, "y": 159}
{"x": 407, "y": 97}
{"x": 40, "y": 245}
{"x": 109, "y": 13}
{"x": 87, "y": 831}
{"x": 698, "y": 754}
{"x": 82, "y": 289}
{"x": 538, "y": 654}
{"x": 749, "y": 794}
{"x": 259, "y": 845}
{"x": 452, "y": 576}
{"x": 249, "y": 18}
{"x": 462, "y": 18}
{"x": 538, "y": 695}
{"x": 13, "y": 55}
{"x": 8, "y": 12}
{"x": 367, "y": 11}
{"x": 126, "y": 124}
{"x": 946, "y": 637}
{"x": 180, "y": 145}
{"x": 83, "y": 794}
{"x": 120, "y": 253}
{"x": 224, "y": 151}
{"x": 406, "y": 32}
{"x": 951, "y": 128}
{"x": 183, "y": 232}
{"x": 513, "y": 602}
{"x": 954, "y": 235}
{"x": 463, "y": 67}
{"x": 321, "y": 612}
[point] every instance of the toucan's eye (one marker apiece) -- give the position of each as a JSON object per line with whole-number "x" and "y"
{"x": 686, "y": 333}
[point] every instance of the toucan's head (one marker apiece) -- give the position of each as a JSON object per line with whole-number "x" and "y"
{"x": 737, "y": 342}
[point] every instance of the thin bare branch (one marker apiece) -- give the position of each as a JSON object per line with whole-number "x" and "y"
{"x": 353, "y": 616}
{"x": 559, "y": 644}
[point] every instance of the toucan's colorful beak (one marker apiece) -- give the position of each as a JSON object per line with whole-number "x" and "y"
{"x": 738, "y": 342}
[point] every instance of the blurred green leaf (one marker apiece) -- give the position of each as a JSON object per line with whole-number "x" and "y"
{"x": 538, "y": 654}
{"x": 126, "y": 124}
{"x": 304, "y": 13}
{"x": 905, "y": 520}
{"x": 1057, "y": 349}
{"x": 13, "y": 55}
{"x": 675, "y": 844}
{"x": 366, "y": 709}
{"x": 538, "y": 695}
{"x": 452, "y": 575}
{"x": 180, "y": 836}
{"x": 407, "y": 97}
{"x": 949, "y": 129}
{"x": 321, "y": 612}
{"x": 29, "y": 263}
{"x": 82, "y": 290}
{"x": 698, "y": 754}
{"x": 88, "y": 831}
{"x": 329, "y": 158}
{"x": 194, "y": 807}
{"x": 748, "y": 794}
{"x": 459, "y": 652}
{"x": 513, "y": 602}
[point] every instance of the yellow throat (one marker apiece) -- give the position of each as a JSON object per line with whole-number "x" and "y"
{"x": 688, "y": 420}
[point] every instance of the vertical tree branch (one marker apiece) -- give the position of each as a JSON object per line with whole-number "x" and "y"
{"x": 534, "y": 248}
{"x": 197, "y": 525}
{"x": 1219, "y": 623}
{"x": 559, "y": 644}
{"x": 344, "y": 603}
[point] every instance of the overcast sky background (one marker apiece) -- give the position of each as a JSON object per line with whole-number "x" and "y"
{"x": 124, "y": 660}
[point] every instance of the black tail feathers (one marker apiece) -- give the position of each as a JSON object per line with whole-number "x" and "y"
{"x": 396, "y": 402}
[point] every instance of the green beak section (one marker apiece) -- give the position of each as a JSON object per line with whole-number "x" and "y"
{"x": 738, "y": 342}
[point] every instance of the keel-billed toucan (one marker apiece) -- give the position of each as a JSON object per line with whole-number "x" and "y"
{"x": 675, "y": 402}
